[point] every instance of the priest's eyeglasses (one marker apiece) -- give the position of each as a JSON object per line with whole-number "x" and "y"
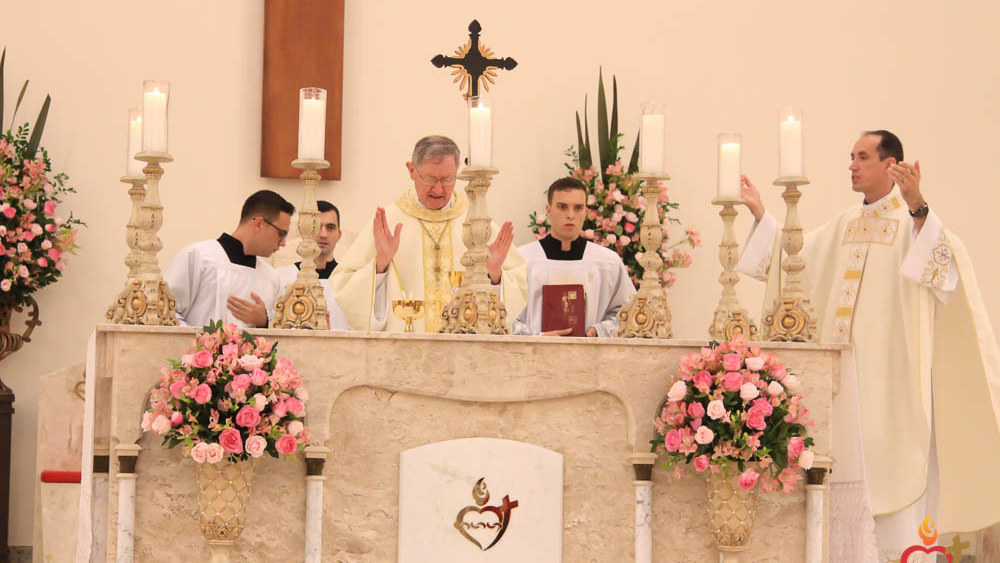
{"x": 282, "y": 232}
{"x": 431, "y": 180}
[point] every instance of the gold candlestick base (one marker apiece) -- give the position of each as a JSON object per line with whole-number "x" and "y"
{"x": 647, "y": 315}
{"x": 408, "y": 310}
{"x": 792, "y": 317}
{"x": 303, "y": 304}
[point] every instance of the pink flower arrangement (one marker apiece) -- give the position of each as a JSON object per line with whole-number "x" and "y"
{"x": 734, "y": 406}
{"x": 229, "y": 396}
{"x": 34, "y": 239}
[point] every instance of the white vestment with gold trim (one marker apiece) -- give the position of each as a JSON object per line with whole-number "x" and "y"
{"x": 430, "y": 249}
{"x": 925, "y": 354}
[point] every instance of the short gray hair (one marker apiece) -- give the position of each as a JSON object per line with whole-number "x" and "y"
{"x": 435, "y": 147}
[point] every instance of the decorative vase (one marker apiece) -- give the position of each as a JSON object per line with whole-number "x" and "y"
{"x": 731, "y": 512}
{"x": 223, "y": 495}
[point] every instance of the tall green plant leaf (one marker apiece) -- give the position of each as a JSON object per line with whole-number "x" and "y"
{"x": 613, "y": 134}
{"x": 633, "y": 163}
{"x": 589, "y": 159}
{"x": 17, "y": 106}
{"x": 3, "y": 60}
{"x": 603, "y": 135}
{"x": 36, "y": 135}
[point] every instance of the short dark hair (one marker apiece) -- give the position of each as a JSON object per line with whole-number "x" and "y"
{"x": 565, "y": 185}
{"x": 325, "y": 206}
{"x": 888, "y": 144}
{"x": 267, "y": 204}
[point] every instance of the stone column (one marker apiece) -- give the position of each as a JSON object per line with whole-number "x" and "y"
{"x": 128, "y": 454}
{"x": 99, "y": 506}
{"x": 816, "y": 524}
{"x": 315, "y": 459}
{"x": 643, "y": 466}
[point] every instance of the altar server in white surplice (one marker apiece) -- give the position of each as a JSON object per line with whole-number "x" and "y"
{"x": 917, "y": 422}
{"x": 327, "y": 239}
{"x": 565, "y": 257}
{"x": 418, "y": 253}
{"x": 225, "y": 279}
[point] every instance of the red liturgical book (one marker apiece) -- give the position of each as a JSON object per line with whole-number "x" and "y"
{"x": 564, "y": 306}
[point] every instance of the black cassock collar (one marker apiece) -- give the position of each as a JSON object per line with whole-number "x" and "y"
{"x": 324, "y": 272}
{"x": 553, "y": 248}
{"x": 234, "y": 251}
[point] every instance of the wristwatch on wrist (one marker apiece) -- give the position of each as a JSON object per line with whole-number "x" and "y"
{"x": 921, "y": 211}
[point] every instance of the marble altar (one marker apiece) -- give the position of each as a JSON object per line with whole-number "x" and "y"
{"x": 374, "y": 396}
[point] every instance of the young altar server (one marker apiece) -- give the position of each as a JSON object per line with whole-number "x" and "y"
{"x": 564, "y": 257}
{"x": 327, "y": 239}
{"x": 225, "y": 279}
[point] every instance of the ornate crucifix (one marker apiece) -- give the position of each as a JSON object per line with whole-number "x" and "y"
{"x": 474, "y": 64}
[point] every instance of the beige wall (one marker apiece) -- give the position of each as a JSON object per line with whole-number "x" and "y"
{"x": 924, "y": 69}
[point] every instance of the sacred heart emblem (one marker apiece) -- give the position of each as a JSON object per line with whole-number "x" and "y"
{"x": 919, "y": 548}
{"x": 484, "y": 525}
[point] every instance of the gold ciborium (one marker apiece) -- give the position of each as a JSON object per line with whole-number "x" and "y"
{"x": 408, "y": 310}
{"x": 456, "y": 277}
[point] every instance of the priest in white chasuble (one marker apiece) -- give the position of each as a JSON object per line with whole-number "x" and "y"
{"x": 924, "y": 436}
{"x": 326, "y": 238}
{"x": 565, "y": 257}
{"x": 225, "y": 279}
{"x": 417, "y": 256}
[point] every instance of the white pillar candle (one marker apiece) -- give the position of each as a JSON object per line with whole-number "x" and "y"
{"x": 312, "y": 123}
{"x": 154, "y": 116}
{"x": 729, "y": 167}
{"x": 480, "y": 136}
{"x": 790, "y": 145}
{"x": 651, "y": 143}
{"x": 134, "y": 167}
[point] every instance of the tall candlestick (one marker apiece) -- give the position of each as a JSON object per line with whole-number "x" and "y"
{"x": 133, "y": 167}
{"x": 729, "y": 165}
{"x": 652, "y": 138}
{"x": 312, "y": 123}
{"x": 155, "y": 96}
{"x": 480, "y": 132}
{"x": 790, "y": 143}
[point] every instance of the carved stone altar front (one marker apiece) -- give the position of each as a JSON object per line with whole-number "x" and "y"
{"x": 372, "y": 396}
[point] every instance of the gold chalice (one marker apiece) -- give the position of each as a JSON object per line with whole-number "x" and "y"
{"x": 408, "y": 310}
{"x": 456, "y": 277}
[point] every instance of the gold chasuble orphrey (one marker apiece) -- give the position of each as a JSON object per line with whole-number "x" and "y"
{"x": 439, "y": 260}
{"x": 430, "y": 248}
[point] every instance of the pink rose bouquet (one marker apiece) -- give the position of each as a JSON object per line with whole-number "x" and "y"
{"x": 732, "y": 405}
{"x": 230, "y": 396}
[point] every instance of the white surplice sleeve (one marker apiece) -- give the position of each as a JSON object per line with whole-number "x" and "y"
{"x": 379, "y": 307}
{"x": 756, "y": 257}
{"x": 930, "y": 261}
{"x": 621, "y": 294}
{"x": 183, "y": 279}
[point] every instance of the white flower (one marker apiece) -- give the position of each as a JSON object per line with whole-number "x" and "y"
{"x": 255, "y": 446}
{"x": 214, "y": 453}
{"x": 301, "y": 394}
{"x": 704, "y": 435}
{"x": 199, "y": 452}
{"x": 806, "y": 459}
{"x": 250, "y": 362}
{"x": 716, "y": 409}
{"x": 259, "y": 401}
{"x": 748, "y": 391}
{"x": 161, "y": 424}
{"x": 774, "y": 388}
{"x": 755, "y": 364}
{"x": 147, "y": 419}
{"x": 677, "y": 391}
{"x": 295, "y": 427}
{"x": 791, "y": 382}
{"x": 36, "y": 228}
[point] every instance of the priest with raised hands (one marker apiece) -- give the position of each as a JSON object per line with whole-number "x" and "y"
{"x": 886, "y": 276}
{"x": 326, "y": 239}
{"x": 562, "y": 264}
{"x": 416, "y": 243}
{"x": 225, "y": 279}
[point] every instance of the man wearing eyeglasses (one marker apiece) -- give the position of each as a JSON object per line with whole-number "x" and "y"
{"x": 416, "y": 243}
{"x": 225, "y": 279}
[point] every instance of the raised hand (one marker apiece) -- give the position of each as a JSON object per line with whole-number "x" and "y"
{"x": 498, "y": 251}
{"x": 907, "y": 177}
{"x": 751, "y": 197}
{"x": 386, "y": 241}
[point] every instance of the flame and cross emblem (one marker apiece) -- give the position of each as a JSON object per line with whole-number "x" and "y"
{"x": 484, "y": 525}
